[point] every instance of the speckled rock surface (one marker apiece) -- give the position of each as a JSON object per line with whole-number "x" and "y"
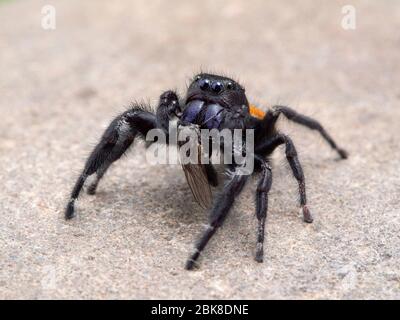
{"x": 58, "y": 89}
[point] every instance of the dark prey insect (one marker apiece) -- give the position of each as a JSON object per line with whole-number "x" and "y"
{"x": 224, "y": 101}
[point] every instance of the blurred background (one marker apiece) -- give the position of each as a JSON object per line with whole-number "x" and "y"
{"x": 68, "y": 67}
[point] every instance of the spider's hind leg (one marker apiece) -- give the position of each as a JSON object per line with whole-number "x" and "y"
{"x": 311, "y": 124}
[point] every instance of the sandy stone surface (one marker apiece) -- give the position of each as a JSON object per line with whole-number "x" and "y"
{"x": 60, "y": 88}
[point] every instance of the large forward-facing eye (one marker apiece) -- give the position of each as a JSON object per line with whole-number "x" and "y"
{"x": 204, "y": 84}
{"x": 217, "y": 86}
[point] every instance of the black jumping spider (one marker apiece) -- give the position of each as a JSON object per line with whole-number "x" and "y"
{"x": 224, "y": 101}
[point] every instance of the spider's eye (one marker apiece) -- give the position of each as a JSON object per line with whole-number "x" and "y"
{"x": 217, "y": 87}
{"x": 197, "y": 78}
{"x": 229, "y": 85}
{"x": 204, "y": 84}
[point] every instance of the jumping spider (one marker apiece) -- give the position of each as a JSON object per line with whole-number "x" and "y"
{"x": 224, "y": 101}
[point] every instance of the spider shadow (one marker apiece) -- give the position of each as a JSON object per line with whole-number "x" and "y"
{"x": 181, "y": 204}
{"x": 173, "y": 200}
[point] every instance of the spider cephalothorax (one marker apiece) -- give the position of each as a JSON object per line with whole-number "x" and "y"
{"x": 216, "y": 102}
{"x": 212, "y": 102}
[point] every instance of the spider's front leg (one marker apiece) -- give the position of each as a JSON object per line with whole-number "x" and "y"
{"x": 118, "y": 137}
{"x": 218, "y": 213}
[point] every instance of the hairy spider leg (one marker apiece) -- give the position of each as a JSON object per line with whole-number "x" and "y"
{"x": 263, "y": 188}
{"x": 220, "y": 210}
{"x": 268, "y": 146}
{"x": 118, "y": 137}
{"x": 309, "y": 123}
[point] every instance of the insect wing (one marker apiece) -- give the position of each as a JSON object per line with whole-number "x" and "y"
{"x": 197, "y": 180}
